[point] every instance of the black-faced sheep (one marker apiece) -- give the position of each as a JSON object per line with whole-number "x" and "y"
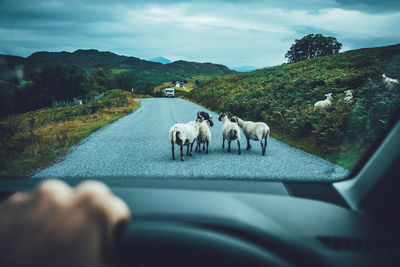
{"x": 202, "y": 115}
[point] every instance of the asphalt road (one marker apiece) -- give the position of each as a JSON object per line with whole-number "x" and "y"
{"x": 138, "y": 145}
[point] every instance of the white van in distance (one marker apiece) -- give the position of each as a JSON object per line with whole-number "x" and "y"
{"x": 169, "y": 92}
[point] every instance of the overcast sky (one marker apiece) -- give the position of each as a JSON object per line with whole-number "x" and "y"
{"x": 234, "y": 33}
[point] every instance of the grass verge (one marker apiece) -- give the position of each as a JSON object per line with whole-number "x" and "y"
{"x": 33, "y": 140}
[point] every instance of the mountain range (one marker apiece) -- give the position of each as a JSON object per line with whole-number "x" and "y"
{"x": 247, "y": 68}
{"x": 161, "y": 60}
{"x": 92, "y": 59}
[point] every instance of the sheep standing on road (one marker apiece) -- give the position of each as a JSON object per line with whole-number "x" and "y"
{"x": 230, "y": 132}
{"x": 257, "y": 131}
{"x": 389, "y": 82}
{"x": 204, "y": 136}
{"x": 348, "y": 98}
{"x": 324, "y": 104}
{"x": 184, "y": 135}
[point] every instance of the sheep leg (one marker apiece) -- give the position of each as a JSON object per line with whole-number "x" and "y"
{"x": 239, "y": 147}
{"x": 173, "y": 151}
{"x": 182, "y": 153}
{"x": 265, "y": 145}
{"x": 223, "y": 143}
{"x": 229, "y": 145}
{"x": 207, "y": 147}
{"x": 248, "y": 143}
{"x": 191, "y": 149}
{"x": 204, "y": 144}
{"x": 262, "y": 147}
{"x": 187, "y": 150}
{"x": 198, "y": 147}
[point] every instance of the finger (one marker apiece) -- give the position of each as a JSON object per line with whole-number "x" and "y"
{"x": 98, "y": 196}
{"x": 18, "y": 198}
{"x": 106, "y": 210}
{"x": 54, "y": 192}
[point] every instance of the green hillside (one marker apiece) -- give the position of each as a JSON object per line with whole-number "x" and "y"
{"x": 153, "y": 73}
{"x": 36, "y": 81}
{"x": 283, "y": 96}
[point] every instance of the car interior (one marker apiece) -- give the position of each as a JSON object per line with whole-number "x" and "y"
{"x": 184, "y": 222}
{"x": 195, "y": 221}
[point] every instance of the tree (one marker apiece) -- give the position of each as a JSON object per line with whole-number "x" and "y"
{"x": 125, "y": 80}
{"x": 312, "y": 45}
{"x": 100, "y": 81}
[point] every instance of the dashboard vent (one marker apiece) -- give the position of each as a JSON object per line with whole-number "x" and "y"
{"x": 360, "y": 245}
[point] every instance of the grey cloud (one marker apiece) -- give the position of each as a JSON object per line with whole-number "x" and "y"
{"x": 234, "y": 33}
{"x": 360, "y": 42}
{"x": 371, "y": 6}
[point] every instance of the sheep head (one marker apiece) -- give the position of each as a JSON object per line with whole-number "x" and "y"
{"x": 235, "y": 119}
{"x": 221, "y": 115}
{"x": 329, "y": 96}
{"x": 205, "y": 116}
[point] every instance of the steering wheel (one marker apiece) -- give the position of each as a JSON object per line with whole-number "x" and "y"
{"x": 171, "y": 242}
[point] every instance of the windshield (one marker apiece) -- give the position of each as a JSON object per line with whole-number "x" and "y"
{"x": 256, "y": 90}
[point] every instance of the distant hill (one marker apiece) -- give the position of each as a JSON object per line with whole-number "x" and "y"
{"x": 154, "y": 73}
{"x": 91, "y": 59}
{"x": 161, "y": 60}
{"x": 247, "y": 68}
{"x": 148, "y": 74}
{"x": 244, "y": 68}
{"x": 283, "y": 96}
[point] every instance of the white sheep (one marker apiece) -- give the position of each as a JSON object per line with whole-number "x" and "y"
{"x": 389, "y": 82}
{"x": 257, "y": 131}
{"x": 204, "y": 136}
{"x": 230, "y": 132}
{"x": 184, "y": 135}
{"x": 348, "y": 98}
{"x": 324, "y": 104}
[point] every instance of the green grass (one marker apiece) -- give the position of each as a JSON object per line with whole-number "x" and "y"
{"x": 33, "y": 140}
{"x": 117, "y": 71}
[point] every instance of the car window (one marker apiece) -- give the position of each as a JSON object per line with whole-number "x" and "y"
{"x": 250, "y": 90}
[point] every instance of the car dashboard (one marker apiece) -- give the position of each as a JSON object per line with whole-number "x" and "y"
{"x": 178, "y": 227}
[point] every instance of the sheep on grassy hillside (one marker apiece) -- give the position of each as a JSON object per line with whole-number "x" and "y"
{"x": 348, "y": 98}
{"x": 324, "y": 104}
{"x": 389, "y": 82}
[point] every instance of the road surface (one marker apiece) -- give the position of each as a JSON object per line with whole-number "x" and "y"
{"x": 138, "y": 146}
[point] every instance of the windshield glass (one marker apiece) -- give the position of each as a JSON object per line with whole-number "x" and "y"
{"x": 270, "y": 90}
